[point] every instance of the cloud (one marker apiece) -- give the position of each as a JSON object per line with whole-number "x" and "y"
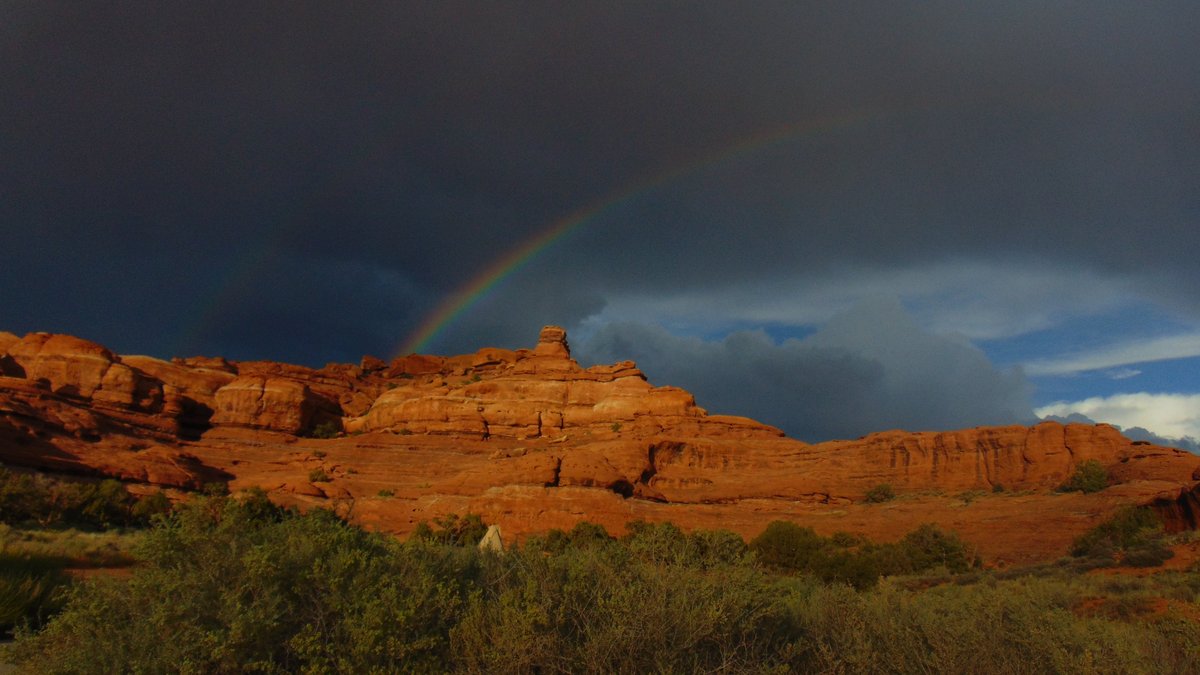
{"x": 300, "y": 309}
{"x": 1189, "y": 443}
{"x": 980, "y": 300}
{"x": 999, "y": 169}
{"x": 868, "y": 369}
{"x": 1174, "y": 417}
{"x": 1133, "y": 433}
{"x": 1122, "y": 373}
{"x": 1122, "y": 354}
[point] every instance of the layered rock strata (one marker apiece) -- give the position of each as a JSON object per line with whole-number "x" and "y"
{"x": 533, "y": 440}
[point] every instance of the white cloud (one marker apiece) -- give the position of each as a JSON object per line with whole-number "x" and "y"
{"x": 1170, "y": 415}
{"x": 1123, "y": 354}
{"x": 1123, "y": 373}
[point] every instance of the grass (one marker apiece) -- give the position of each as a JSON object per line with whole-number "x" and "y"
{"x": 31, "y": 589}
{"x": 34, "y": 564}
{"x": 70, "y": 547}
{"x": 970, "y": 496}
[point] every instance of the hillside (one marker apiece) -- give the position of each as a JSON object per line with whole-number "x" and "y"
{"x": 531, "y": 440}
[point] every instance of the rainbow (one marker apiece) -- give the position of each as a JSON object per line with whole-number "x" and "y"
{"x": 481, "y": 284}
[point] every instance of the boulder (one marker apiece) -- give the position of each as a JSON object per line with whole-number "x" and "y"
{"x": 70, "y": 366}
{"x": 278, "y": 404}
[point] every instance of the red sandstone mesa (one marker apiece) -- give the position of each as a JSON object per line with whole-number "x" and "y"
{"x": 532, "y": 440}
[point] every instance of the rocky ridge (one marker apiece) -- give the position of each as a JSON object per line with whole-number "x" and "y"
{"x": 533, "y": 440}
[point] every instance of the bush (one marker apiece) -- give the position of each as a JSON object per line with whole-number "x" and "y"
{"x": 216, "y": 489}
{"x": 928, "y": 547}
{"x": 790, "y": 548}
{"x": 1133, "y": 535}
{"x": 1090, "y": 476}
{"x": 318, "y": 476}
{"x": 880, "y": 493}
{"x": 236, "y": 593}
{"x": 31, "y": 589}
{"x": 154, "y": 504}
{"x": 606, "y": 609}
{"x": 452, "y": 530}
{"x": 50, "y": 502}
{"x": 786, "y": 546}
{"x": 241, "y": 589}
{"x": 327, "y": 429}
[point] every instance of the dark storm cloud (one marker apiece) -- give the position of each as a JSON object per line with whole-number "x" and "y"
{"x": 869, "y": 369}
{"x": 211, "y": 176}
{"x": 303, "y": 310}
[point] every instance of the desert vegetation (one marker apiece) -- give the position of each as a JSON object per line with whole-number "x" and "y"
{"x": 1089, "y": 477}
{"x": 241, "y": 585}
{"x": 880, "y": 493}
{"x": 48, "y": 526}
{"x": 34, "y": 499}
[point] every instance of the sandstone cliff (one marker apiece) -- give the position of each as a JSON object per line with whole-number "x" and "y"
{"x": 533, "y": 440}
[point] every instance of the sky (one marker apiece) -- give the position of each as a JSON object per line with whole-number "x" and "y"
{"x": 836, "y": 218}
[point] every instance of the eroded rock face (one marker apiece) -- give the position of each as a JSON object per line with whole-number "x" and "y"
{"x": 532, "y": 440}
{"x": 69, "y": 366}
{"x": 538, "y": 394}
{"x": 552, "y": 342}
{"x": 272, "y": 403}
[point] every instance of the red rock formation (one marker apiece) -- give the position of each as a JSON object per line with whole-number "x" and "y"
{"x": 265, "y": 403}
{"x": 532, "y": 440}
{"x": 78, "y": 368}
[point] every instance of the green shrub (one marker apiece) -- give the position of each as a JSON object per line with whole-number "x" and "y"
{"x": 235, "y": 594}
{"x": 1133, "y": 535}
{"x": 216, "y": 489}
{"x": 51, "y": 502}
{"x": 23, "y": 497}
{"x": 845, "y": 539}
{"x": 318, "y": 476}
{"x": 998, "y": 488}
{"x": 786, "y": 546}
{"x": 154, "y": 504}
{"x": 241, "y": 586}
{"x": 1090, "y": 476}
{"x": 790, "y": 548}
{"x": 928, "y": 547}
{"x": 258, "y": 507}
{"x": 608, "y": 610}
{"x": 326, "y": 429}
{"x": 453, "y": 530}
{"x": 386, "y": 493}
{"x": 31, "y": 590}
{"x": 880, "y": 493}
